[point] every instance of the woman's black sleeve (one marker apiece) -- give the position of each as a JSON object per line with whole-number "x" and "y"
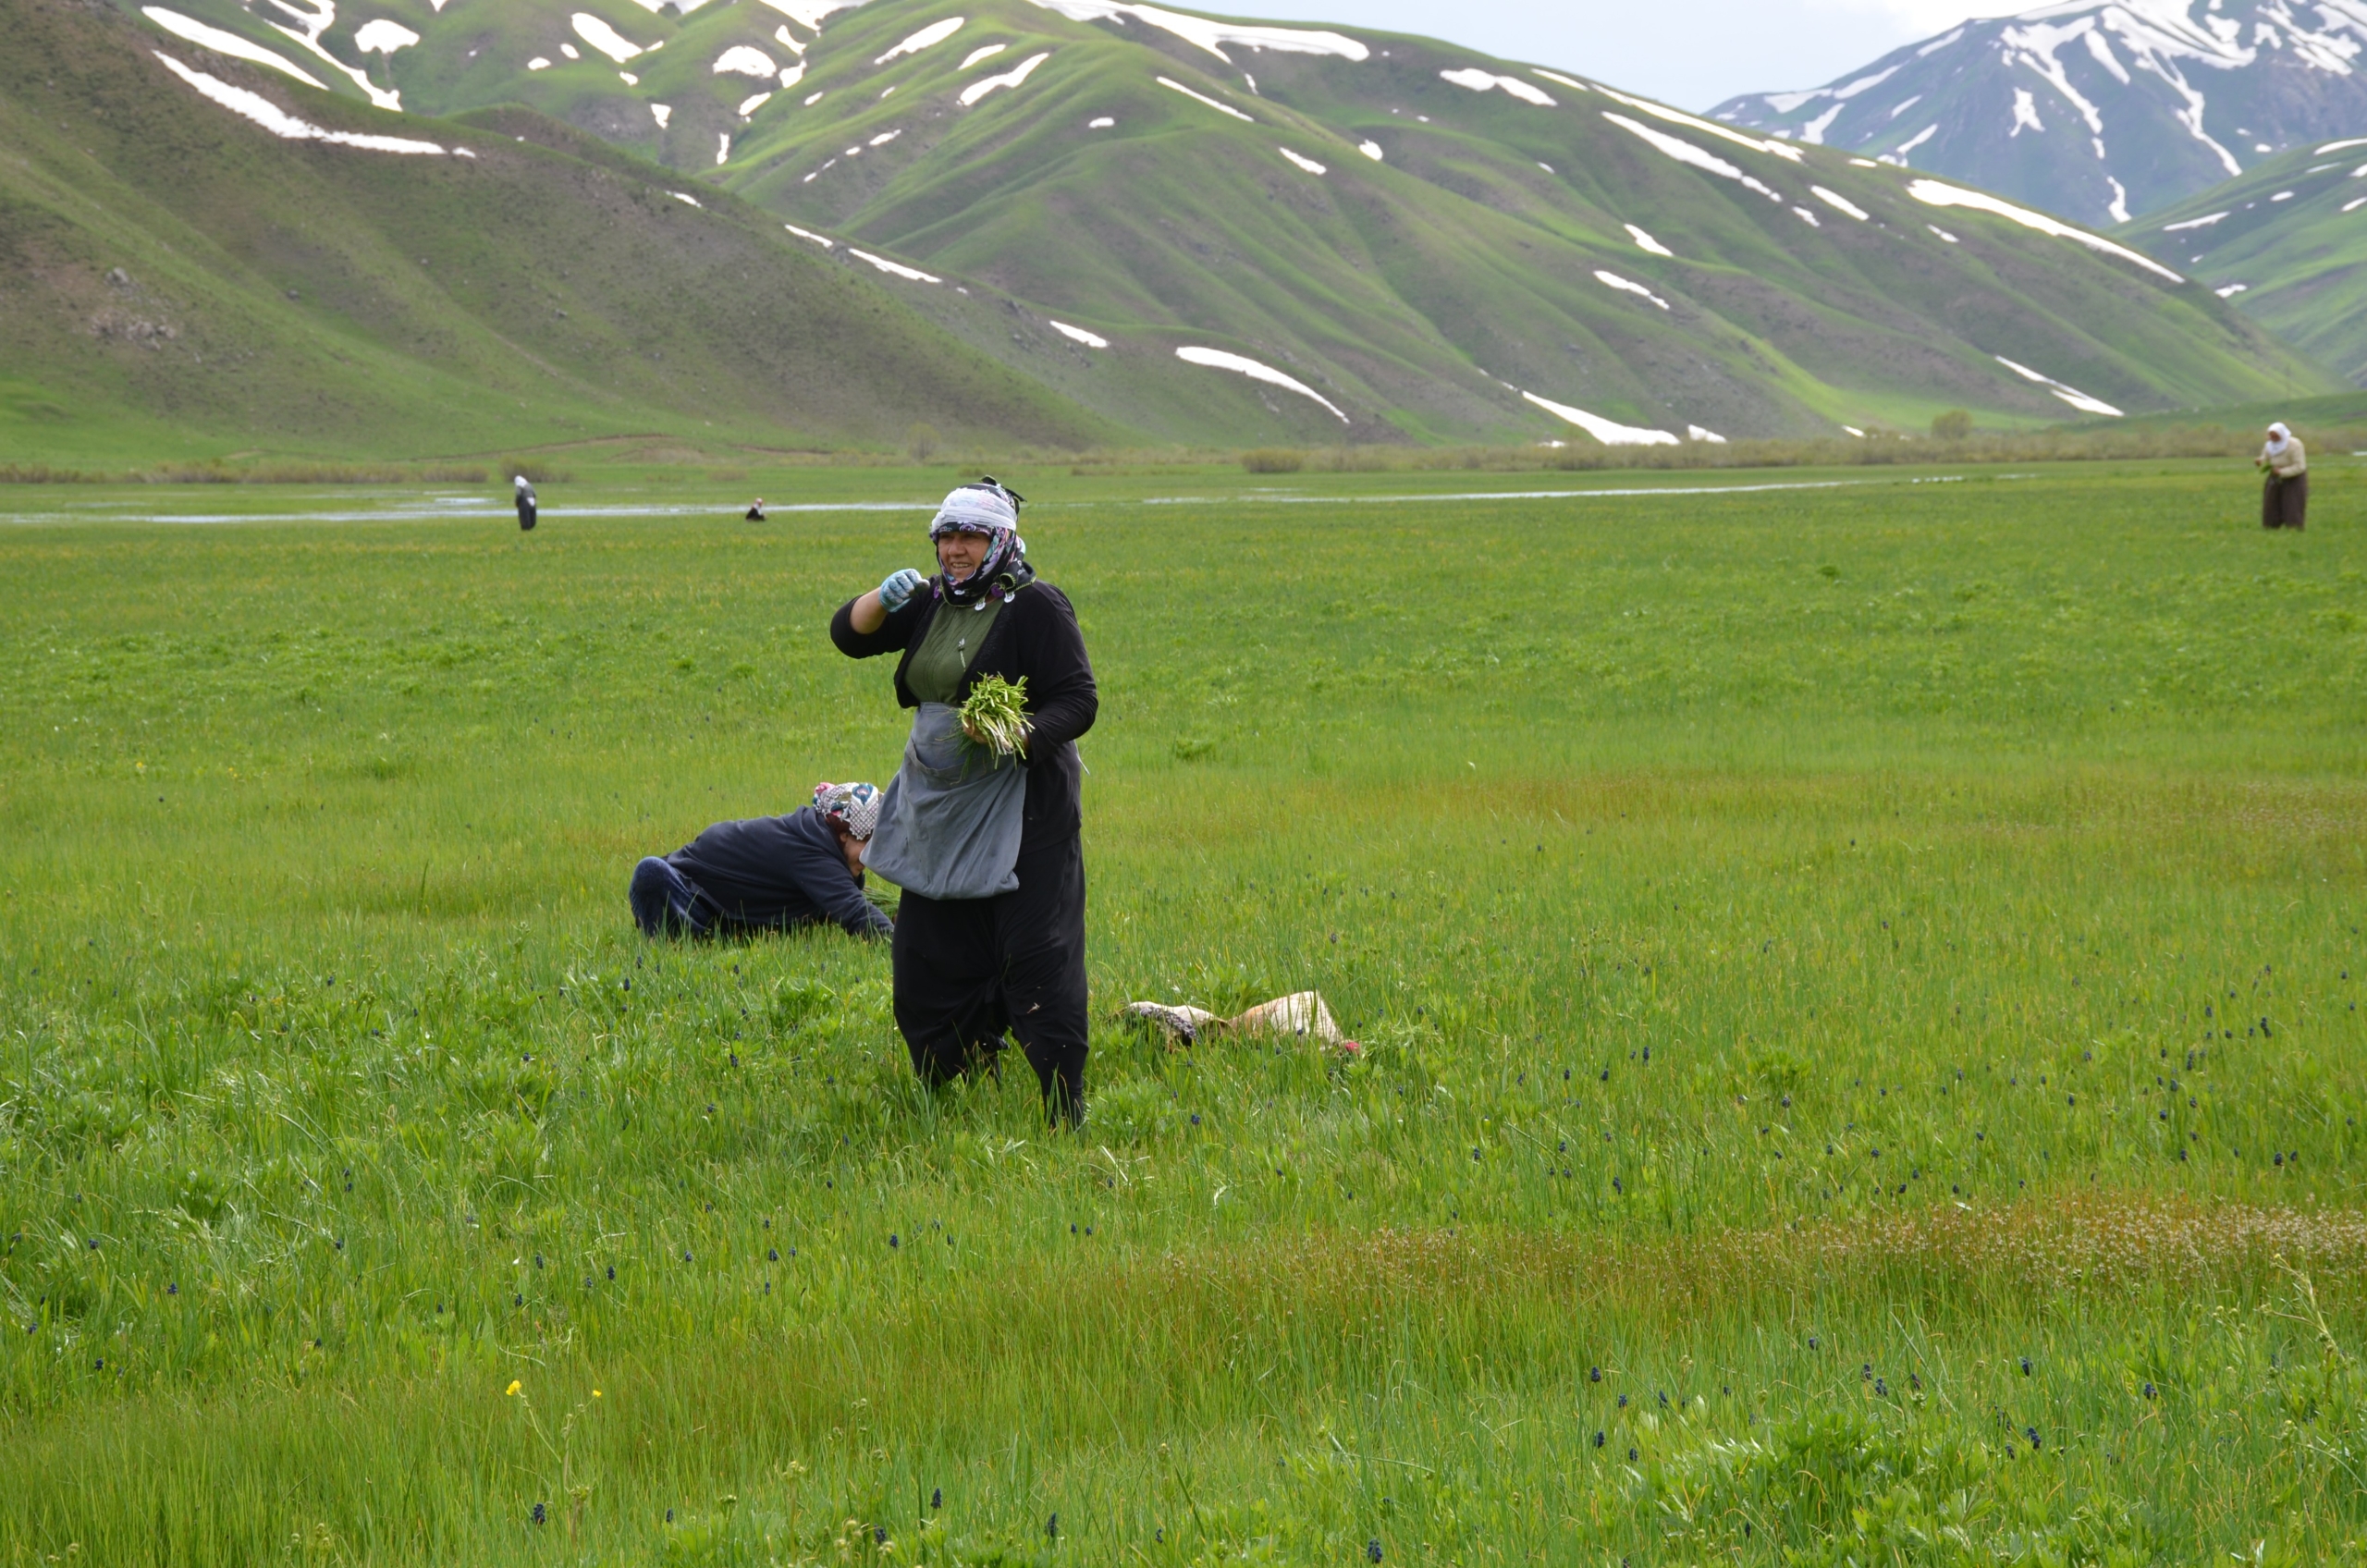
{"x": 893, "y": 636}
{"x": 1061, "y": 697}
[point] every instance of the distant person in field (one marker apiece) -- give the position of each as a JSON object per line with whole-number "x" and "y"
{"x": 525, "y": 504}
{"x": 756, "y": 512}
{"x": 767, "y": 874}
{"x": 990, "y": 934}
{"x": 2284, "y": 493}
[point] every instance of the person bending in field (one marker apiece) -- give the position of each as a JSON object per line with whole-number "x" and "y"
{"x": 525, "y": 490}
{"x": 2284, "y": 495}
{"x": 767, "y": 874}
{"x": 991, "y": 933}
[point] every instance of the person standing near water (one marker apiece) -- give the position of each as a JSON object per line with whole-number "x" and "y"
{"x": 2284, "y": 493}
{"x": 525, "y": 503}
{"x": 990, "y": 934}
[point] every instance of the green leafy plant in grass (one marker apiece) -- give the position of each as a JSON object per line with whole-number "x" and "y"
{"x": 995, "y": 712}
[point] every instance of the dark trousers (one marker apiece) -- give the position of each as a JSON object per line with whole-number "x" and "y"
{"x": 665, "y": 902}
{"x": 968, "y": 969}
{"x": 2285, "y": 503}
{"x": 526, "y": 516}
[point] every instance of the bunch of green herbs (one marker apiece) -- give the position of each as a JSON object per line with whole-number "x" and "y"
{"x": 995, "y": 714}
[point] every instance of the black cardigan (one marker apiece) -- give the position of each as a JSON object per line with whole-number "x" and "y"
{"x": 1034, "y": 635}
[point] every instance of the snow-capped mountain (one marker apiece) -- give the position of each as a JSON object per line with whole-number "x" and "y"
{"x": 2101, "y": 110}
{"x": 1217, "y": 231}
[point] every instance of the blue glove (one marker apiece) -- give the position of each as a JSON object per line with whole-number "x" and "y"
{"x": 899, "y": 588}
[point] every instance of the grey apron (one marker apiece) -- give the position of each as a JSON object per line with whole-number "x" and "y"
{"x": 951, "y": 819}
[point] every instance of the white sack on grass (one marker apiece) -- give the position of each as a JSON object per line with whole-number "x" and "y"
{"x": 1302, "y": 1014}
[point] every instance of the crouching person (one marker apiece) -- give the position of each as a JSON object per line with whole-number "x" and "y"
{"x": 768, "y": 872}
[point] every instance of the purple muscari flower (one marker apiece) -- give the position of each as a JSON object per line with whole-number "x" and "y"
{"x": 1372, "y": 1550}
{"x": 937, "y": 1497}
{"x": 540, "y": 1515}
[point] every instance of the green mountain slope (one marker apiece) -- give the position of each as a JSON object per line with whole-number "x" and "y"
{"x": 2286, "y": 243}
{"x": 1224, "y": 232}
{"x": 174, "y": 272}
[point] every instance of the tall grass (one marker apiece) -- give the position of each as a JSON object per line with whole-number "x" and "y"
{"x": 1869, "y": 972}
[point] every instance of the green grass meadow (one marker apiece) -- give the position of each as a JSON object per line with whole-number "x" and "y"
{"x": 1854, "y": 972}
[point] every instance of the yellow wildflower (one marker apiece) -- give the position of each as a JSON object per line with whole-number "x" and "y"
{"x": 513, "y": 1387}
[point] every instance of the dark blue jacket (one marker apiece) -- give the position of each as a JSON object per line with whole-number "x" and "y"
{"x": 779, "y": 871}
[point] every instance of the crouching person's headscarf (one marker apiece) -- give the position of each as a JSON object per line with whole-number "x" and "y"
{"x": 989, "y": 508}
{"x": 855, "y": 807}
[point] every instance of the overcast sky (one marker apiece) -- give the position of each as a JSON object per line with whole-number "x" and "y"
{"x": 1690, "y": 53}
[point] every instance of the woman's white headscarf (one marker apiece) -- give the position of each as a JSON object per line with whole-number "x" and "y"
{"x": 2278, "y": 436}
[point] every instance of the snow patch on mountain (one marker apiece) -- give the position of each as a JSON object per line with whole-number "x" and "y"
{"x": 1627, "y": 286}
{"x": 312, "y": 24}
{"x": 2070, "y": 395}
{"x": 1684, "y": 151}
{"x": 603, "y": 37}
{"x": 1216, "y": 359}
{"x": 383, "y": 37}
{"x": 228, "y": 44}
{"x": 1213, "y": 35}
{"x": 1488, "y": 81}
{"x": 1299, "y": 160}
{"x": 894, "y": 269}
{"x": 281, "y": 123}
{"x": 1610, "y": 433}
{"x": 1934, "y": 193}
{"x": 1708, "y": 127}
{"x": 1646, "y": 243}
{"x": 1015, "y": 77}
{"x": 1175, "y": 86}
{"x": 1839, "y": 203}
{"x": 808, "y": 14}
{"x": 742, "y": 59}
{"x": 927, "y": 38}
{"x": 1079, "y": 335}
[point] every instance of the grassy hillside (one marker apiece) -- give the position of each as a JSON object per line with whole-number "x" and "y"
{"x": 1875, "y": 965}
{"x": 175, "y": 278}
{"x": 2287, "y": 243}
{"x": 1447, "y": 258}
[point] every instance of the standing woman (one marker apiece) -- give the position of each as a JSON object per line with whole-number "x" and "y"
{"x": 991, "y": 932}
{"x": 2284, "y": 495}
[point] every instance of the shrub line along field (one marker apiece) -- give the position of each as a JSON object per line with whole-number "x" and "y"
{"x": 1861, "y": 1059}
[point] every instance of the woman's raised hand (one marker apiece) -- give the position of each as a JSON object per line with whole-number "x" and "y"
{"x": 899, "y": 588}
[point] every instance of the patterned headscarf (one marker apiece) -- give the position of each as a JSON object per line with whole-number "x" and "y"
{"x": 991, "y": 509}
{"x": 855, "y": 807}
